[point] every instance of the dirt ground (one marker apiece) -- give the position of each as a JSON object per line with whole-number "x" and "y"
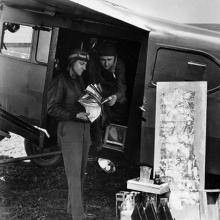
{"x": 30, "y": 192}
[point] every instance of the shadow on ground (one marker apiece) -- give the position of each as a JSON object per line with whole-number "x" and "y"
{"x": 30, "y": 192}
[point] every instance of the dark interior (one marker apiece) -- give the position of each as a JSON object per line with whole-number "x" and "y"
{"x": 128, "y": 51}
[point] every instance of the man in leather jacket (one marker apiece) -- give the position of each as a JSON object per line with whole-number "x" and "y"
{"x": 108, "y": 71}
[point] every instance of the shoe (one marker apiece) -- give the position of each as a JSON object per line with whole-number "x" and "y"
{"x": 90, "y": 216}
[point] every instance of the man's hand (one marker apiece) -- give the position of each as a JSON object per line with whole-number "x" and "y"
{"x": 83, "y": 116}
{"x": 112, "y": 100}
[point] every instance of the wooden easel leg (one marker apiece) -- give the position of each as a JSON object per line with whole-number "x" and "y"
{"x": 203, "y": 205}
{"x": 209, "y": 205}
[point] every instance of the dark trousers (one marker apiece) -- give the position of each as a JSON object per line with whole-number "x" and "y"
{"x": 74, "y": 139}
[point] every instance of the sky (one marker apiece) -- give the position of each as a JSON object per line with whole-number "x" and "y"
{"x": 184, "y": 11}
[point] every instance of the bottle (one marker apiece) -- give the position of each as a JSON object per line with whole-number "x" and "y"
{"x": 157, "y": 178}
{"x": 163, "y": 210}
{"x": 127, "y": 208}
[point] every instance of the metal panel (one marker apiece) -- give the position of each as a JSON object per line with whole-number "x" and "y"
{"x": 21, "y": 88}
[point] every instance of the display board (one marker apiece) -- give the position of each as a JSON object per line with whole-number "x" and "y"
{"x": 180, "y": 139}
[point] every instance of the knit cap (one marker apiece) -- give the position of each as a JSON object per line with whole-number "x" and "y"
{"x": 107, "y": 49}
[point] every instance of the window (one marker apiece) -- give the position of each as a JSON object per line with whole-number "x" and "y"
{"x": 17, "y": 40}
{"x": 173, "y": 65}
{"x": 43, "y": 45}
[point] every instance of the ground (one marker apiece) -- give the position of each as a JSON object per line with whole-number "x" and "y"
{"x": 30, "y": 192}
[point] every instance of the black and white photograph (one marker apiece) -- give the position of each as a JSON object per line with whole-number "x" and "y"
{"x": 109, "y": 110}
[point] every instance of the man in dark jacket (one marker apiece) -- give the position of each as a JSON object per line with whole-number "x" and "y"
{"x": 109, "y": 71}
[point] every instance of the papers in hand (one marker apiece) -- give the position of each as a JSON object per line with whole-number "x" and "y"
{"x": 91, "y": 101}
{"x": 92, "y": 108}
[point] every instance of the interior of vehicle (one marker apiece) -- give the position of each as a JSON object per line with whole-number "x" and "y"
{"x": 127, "y": 50}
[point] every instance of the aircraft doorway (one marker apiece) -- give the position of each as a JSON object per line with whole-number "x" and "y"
{"x": 127, "y": 50}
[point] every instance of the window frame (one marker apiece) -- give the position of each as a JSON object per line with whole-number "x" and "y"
{"x": 38, "y": 29}
{"x": 188, "y": 50}
{"x": 32, "y": 43}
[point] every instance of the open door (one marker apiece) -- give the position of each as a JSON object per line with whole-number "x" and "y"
{"x": 27, "y": 58}
{"x": 133, "y": 138}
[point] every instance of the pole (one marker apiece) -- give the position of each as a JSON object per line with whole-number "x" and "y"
{"x": 13, "y": 160}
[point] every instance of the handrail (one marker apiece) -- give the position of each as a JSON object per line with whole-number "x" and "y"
{"x": 12, "y": 123}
